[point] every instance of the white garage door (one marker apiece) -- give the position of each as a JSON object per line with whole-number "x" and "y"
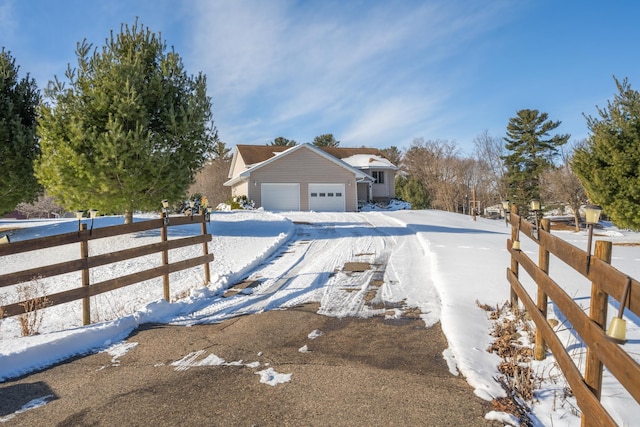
{"x": 327, "y": 197}
{"x": 280, "y": 197}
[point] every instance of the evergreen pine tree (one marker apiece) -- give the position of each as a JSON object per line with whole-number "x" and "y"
{"x": 530, "y": 151}
{"x": 131, "y": 129}
{"x": 18, "y": 142}
{"x": 220, "y": 150}
{"x": 280, "y": 141}
{"x": 393, "y": 154}
{"x": 411, "y": 190}
{"x": 325, "y": 140}
{"x": 608, "y": 163}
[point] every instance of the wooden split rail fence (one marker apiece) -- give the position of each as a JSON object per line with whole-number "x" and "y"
{"x": 605, "y": 281}
{"x": 86, "y": 262}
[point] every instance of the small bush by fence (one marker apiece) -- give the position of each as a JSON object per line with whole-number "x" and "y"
{"x": 85, "y": 263}
{"x": 605, "y": 281}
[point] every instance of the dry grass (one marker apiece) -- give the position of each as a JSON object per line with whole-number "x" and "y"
{"x": 34, "y": 300}
{"x": 512, "y": 404}
{"x": 517, "y": 377}
{"x": 181, "y": 295}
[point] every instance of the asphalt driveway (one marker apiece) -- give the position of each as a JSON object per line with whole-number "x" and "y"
{"x": 356, "y": 372}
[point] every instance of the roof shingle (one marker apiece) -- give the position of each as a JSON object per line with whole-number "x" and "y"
{"x": 253, "y": 154}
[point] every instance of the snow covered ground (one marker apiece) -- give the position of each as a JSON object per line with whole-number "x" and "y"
{"x": 441, "y": 263}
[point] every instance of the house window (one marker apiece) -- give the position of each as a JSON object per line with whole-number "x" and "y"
{"x": 379, "y": 177}
{"x": 314, "y": 194}
{"x": 330, "y": 194}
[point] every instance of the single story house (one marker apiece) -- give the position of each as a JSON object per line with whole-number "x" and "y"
{"x": 310, "y": 178}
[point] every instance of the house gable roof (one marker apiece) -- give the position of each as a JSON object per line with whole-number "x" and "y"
{"x": 254, "y": 154}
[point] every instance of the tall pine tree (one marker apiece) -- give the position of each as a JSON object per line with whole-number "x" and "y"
{"x": 220, "y": 150}
{"x": 132, "y": 128}
{"x": 18, "y": 142}
{"x": 393, "y": 154}
{"x": 530, "y": 151}
{"x": 325, "y": 140}
{"x": 281, "y": 141}
{"x": 608, "y": 163}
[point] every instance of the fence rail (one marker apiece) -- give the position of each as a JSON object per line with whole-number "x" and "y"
{"x": 86, "y": 262}
{"x": 605, "y": 280}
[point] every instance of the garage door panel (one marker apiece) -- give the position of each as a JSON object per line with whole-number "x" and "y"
{"x": 327, "y": 197}
{"x": 280, "y": 197}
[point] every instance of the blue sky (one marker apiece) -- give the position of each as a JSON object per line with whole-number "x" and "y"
{"x": 374, "y": 73}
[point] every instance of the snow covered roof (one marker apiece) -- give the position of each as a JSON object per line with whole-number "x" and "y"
{"x": 369, "y": 161}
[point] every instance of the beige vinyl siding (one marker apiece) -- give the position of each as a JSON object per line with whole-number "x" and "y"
{"x": 385, "y": 190}
{"x": 253, "y": 191}
{"x": 304, "y": 166}
{"x": 240, "y": 189}
{"x": 238, "y": 166}
{"x": 363, "y": 192}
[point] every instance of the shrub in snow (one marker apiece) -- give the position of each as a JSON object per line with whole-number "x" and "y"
{"x": 241, "y": 202}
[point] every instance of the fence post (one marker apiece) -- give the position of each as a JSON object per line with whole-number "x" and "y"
{"x": 515, "y": 230}
{"x": 598, "y": 314}
{"x": 165, "y": 258}
{"x": 205, "y": 251}
{"x": 543, "y": 262}
{"x": 84, "y": 254}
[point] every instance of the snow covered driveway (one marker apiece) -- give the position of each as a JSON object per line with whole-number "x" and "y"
{"x": 359, "y": 265}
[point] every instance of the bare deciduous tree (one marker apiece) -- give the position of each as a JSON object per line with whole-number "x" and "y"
{"x": 44, "y": 206}
{"x": 210, "y": 179}
{"x": 435, "y": 163}
{"x": 561, "y": 186}
{"x": 488, "y": 152}
{"x": 451, "y": 179}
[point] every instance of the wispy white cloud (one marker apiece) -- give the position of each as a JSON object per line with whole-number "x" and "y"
{"x": 381, "y": 123}
{"x": 361, "y": 71}
{"x": 7, "y": 21}
{"x": 240, "y": 44}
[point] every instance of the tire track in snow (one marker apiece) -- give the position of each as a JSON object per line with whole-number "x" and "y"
{"x": 410, "y": 260}
{"x": 269, "y": 273}
{"x": 311, "y": 268}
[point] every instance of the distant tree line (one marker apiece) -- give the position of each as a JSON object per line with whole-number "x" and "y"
{"x": 519, "y": 167}
{"x": 530, "y": 162}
